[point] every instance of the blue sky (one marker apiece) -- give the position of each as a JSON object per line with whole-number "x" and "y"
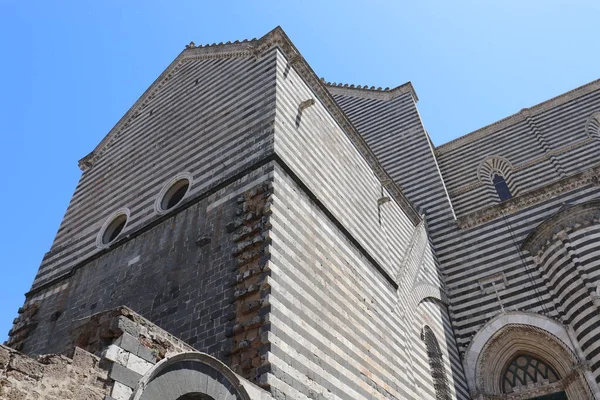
{"x": 71, "y": 69}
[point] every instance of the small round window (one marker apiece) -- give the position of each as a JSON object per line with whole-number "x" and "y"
{"x": 174, "y": 194}
{"x": 114, "y": 229}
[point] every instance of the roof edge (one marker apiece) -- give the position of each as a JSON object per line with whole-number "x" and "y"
{"x": 371, "y": 92}
{"x": 191, "y": 51}
{"x": 276, "y": 38}
{"x": 518, "y": 117}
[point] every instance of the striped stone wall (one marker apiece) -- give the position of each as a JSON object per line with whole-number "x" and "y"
{"x": 391, "y": 125}
{"x": 547, "y": 155}
{"x": 542, "y": 144}
{"x": 552, "y": 161}
{"x": 312, "y": 144}
{"x": 340, "y": 327}
{"x": 208, "y": 116}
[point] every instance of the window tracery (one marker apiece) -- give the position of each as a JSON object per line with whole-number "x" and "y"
{"x": 525, "y": 370}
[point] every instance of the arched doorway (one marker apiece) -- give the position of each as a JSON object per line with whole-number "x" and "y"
{"x": 528, "y": 363}
{"x": 190, "y": 376}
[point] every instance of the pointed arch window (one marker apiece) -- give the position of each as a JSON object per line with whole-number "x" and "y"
{"x": 501, "y": 187}
{"x": 436, "y": 363}
{"x": 525, "y": 370}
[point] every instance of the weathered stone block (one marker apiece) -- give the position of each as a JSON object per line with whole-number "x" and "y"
{"x": 137, "y": 364}
{"x": 116, "y": 354}
{"x": 124, "y": 375}
{"x": 128, "y": 342}
{"x": 146, "y": 354}
{"x": 121, "y": 391}
{"x": 4, "y": 356}
{"x": 26, "y": 366}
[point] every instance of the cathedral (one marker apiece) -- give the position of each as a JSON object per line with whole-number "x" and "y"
{"x": 248, "y": 230}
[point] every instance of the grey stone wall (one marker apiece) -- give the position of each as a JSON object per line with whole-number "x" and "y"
{"x": 119, "y": 355}
{"x": 179, "y": 273}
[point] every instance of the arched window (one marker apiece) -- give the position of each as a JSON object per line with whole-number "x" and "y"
{"x": 436, "y": 363}
{"x": 501, "y": 187}
{"x": 496, "y": 176}
{"x": 592, "y": 126}
{"x": 526, "y": 369}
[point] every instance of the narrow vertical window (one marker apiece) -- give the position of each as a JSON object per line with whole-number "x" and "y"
{"x": 436, "y": 364}
{"x": 501, "y": 187}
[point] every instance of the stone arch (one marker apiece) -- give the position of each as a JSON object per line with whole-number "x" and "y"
{"x": 422, "y": 291}
{"x": 492, "y": 166}
{"x": 510, "y": 334}
{"x": 195, "y": 396}
{"x": 195, "y": 375}
{"x": 592, "y": 125}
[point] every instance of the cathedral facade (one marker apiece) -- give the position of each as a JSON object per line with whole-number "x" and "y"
{"x": 250, "y": 231}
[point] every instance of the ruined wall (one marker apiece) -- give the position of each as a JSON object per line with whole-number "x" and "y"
{"x": 111, "y": 354}
{"x": 52, "y": 377}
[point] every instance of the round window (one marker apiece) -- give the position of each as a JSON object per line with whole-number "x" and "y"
{"x": 114, "y": 228}
{"x": 175, "y": 194}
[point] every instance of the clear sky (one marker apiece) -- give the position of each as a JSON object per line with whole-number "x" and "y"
{"x": 71, "y": 69}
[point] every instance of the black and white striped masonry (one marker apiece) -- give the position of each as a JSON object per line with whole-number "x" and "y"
{"x": 325, "y": 248}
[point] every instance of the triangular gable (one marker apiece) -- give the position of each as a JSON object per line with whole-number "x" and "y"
{"x": 255, "y": 48}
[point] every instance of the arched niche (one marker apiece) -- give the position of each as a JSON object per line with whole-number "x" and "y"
{"x": 190, "y": 376}
{"x": 592, "y": 125}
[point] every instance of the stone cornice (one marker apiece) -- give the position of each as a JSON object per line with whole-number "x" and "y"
{"x": 518, "y": 117}
{"x": 257, "y": 48}
{"x": 528, "y": 199}
{"x": 371, "y": 92}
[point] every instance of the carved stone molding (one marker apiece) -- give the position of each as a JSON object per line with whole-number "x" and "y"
{"x": 190, "y": 372}
{"x": 592, "y": 126}
{"x": 567, "y": 219}
{"x": 516, "y": 339}
{"x": 490, "y": 165}
{"x": 372, "y": 92}
{"x": 547, "y": 156}
{"x": 530, "y": 198}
